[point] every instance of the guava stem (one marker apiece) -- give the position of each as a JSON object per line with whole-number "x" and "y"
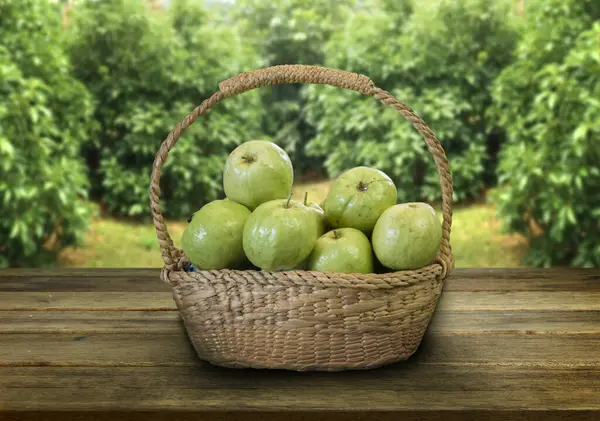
{"x": 362, "y": 186}
{"x": 248, "y": 158}
{"x": 190, "y": 218}
{"x": 336, "y": 234}
{"x": 287, "y": 205}
{"x": 305, "y": 198}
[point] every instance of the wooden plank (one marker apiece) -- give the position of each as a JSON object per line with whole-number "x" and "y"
{"x": 51, "y": 282}
{"x": 148, "y": 280}
{"x": 88, "y": 322}
{"x": 88, "y": 301}
{"x": 519, "y": 300}
{"x": 399, "y": 378}
{"x": 80, "y": 272}
{"x": 168, "y": 322}
{"x": 498, "y": 346}
{"x": 524, "y": 279}
{"x": 454, "y": 301}
{"x": 96, "y": 349}
{"x": 523, "y": 321}
{"x": 406, "y": 387}
{"x": 175, "y": 349}
{"x": 298, "y": 398}
{"x": 509, "y": 348}
{"x": 253, "y": 415}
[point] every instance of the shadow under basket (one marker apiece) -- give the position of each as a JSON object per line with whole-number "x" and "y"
{"x": 304, "y": 320}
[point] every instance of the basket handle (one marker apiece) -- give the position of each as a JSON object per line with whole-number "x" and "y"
{"x": 247, "y": 81}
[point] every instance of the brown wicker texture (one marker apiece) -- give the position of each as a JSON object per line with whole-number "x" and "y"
{"x": 303, "y": 320}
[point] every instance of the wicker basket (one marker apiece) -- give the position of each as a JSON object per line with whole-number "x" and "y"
{"x": 304, "y": 320}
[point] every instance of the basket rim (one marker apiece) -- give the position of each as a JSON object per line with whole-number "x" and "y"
{"x": 386, "y": 280}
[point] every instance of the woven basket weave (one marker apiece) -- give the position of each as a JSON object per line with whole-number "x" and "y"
{"x": 304, "y": 320}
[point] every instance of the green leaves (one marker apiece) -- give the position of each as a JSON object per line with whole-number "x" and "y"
{"x": 440, "y": 58}
{"x": 290, "y": 32}
{"x": 147, "y": 71}
{"x": 44, "y": 118}
{"x": 138, "y": 72}
{"x": 547, "y": 101}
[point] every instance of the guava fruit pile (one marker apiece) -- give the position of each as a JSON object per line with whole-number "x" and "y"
{"x": 359, "y": 228}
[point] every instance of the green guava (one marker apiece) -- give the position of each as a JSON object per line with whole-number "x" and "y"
{"x": 318, "y": 213}
{"x": 346, "y": 250}
{"x": 407, "y": 236}
{"x": 279, "y": 235}
{"x": 213, "y": 237}
{"x": 358, "y": 197}
{"x": 256, "y": 172}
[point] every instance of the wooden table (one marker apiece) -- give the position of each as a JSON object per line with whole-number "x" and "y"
{"x": 108, "y": 344}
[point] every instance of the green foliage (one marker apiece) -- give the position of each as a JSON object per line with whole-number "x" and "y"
{"x": 290, "y": 32}
{"x": 44, "y": 115}
{"x": 549, "y": 103}
{"x": 440, "y": 58}
{"x": 147, "y": 69}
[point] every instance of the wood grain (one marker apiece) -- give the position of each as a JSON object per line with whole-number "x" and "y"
{"x": 523, "y": 321}
{"x": 92, "y": 344}
{"x": 401, "y": 387}
{"x": 148, "y": 280}
{"x": 120, "y": 281}
{"x": 163, "y": 301}
{"x": 524, "y": 279}
{"x": 88, "y": 301}
{"x": 169, "y": 322}
{"x": 519, "y": 300}
{"x": 428, "y": 415}
{"x": 87, "y": 322}
{"x": 142, "y": 349}
{"x": 109, "y": 273}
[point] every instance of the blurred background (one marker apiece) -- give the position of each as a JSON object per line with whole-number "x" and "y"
{"x": 90, "y": 88}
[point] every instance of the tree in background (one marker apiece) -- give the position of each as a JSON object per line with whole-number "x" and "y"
{"x": 44, "y": 117}
{"x": 548, "y": 101}
{"x": 147, "y": 68}
{"x": 290, "y": 32}
{"x": 440, "y": 57}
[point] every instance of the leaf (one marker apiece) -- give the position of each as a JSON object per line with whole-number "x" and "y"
{"x": 45, "y": 115}
{"x": 580, "y": 132}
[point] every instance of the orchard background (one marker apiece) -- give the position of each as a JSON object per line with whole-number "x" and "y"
{"x": 89, "y": 89}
